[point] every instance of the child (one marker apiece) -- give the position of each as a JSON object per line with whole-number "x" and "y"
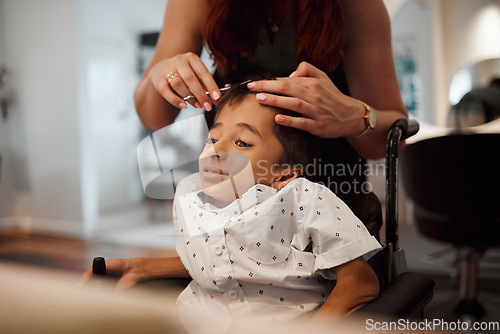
{"x": 255, "y": 236}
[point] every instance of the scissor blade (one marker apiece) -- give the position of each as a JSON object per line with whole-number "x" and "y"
{"x": 223, "y": 89}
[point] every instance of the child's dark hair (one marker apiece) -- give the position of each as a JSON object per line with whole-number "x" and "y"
{"x": 300, "y": 148}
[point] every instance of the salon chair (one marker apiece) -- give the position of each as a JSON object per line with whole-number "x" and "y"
{"x": 403, "y": 294}
{"x": 453, "y": 183}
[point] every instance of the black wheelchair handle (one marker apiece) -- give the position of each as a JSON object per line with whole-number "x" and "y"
{"x": 408, "y": 127}
{"x": 99, "y": 266}
{"x": 400, "y": 130}
{"x": 412, "y": 130}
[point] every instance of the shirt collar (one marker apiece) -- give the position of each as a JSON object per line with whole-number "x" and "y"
{"x": 253, "y": 196}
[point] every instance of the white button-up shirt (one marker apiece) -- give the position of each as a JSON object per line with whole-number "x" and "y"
{"x": 269, "y": 252}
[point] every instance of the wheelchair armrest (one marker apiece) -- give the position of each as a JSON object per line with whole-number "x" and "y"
{"x": 405, "y": 297}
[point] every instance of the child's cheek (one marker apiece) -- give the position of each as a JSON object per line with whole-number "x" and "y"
{"x": 264, "y": 172}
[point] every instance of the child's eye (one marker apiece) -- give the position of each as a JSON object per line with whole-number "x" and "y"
{"x": 211, "y": 140}
{"x": 241, "y": 143}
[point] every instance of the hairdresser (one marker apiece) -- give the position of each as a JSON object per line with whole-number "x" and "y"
{"x": 333, "y": 59}
{"x": 329, "y": 54}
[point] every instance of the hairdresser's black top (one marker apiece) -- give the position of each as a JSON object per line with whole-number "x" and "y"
{"x": 276, "y": 55}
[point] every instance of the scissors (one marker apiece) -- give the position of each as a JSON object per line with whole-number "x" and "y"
{"x": 222, "y": 90}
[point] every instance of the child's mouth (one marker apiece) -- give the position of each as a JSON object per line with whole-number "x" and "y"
{"x": 214, "y": 173}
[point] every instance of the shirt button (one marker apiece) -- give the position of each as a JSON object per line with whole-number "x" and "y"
{"x": 218, "y": 250}
{"x": 232, "y": 294}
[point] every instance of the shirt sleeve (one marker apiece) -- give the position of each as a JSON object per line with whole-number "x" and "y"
{"x": 337, "y": 235}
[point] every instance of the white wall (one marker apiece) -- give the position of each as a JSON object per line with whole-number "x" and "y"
{"x": 393, "y": 6}
{"x": 6, "y": 198}
{"x": 108, "y": 38}
{"x": 473, "y": 30}
{"x": 450, "y": 34}
{"x": 40, "y": 53}
{"x": 465, "y": 32}
{"x": 73, "y": 130}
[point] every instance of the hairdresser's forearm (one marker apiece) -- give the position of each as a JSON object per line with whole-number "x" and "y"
{"x": 372, "y": 144}
{"x": 369, "y": 66}
{"x": 153, "y": 110}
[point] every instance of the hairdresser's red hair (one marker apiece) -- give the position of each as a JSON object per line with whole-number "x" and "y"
{"x": 231, "y": 28}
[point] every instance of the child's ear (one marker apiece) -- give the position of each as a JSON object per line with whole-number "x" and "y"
{"x": 286, "y": 175}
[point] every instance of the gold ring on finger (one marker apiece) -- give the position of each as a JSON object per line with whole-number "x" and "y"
{"x": 171, "y": 76}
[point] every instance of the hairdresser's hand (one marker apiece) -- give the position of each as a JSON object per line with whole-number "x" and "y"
{"x": 327, "y": 112}
{"x": 193, "y": 79}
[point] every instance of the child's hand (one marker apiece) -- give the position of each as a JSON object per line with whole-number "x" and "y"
{"x": 127, "y": 271}
{"x": 130, "y": 272}
{"x": 356, "y": 286}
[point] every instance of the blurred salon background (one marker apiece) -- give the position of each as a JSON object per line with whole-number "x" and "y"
{"x": 69, "y": 132}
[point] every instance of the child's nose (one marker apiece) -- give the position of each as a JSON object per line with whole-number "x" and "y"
{"x": 221, "y": 148}
{"x": 220, "y": 155}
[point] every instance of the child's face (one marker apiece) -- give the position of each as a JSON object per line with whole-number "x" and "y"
{"x": 242, "y": 137}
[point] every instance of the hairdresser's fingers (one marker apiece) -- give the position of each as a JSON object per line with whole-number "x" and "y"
{"x": 205, "y": 77}
{"x": 292, "y": 87}
{"x": 301, "y": 123}
{"x": 289, "y": 103}
{"x": 179, "y": 86}
{"x": 307, "y": 70}
{"x": 201, "y": 100}
{"x": 165, "y": 90}
{"x": 159, "y": 77}
{"x": 192, "y": 81}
